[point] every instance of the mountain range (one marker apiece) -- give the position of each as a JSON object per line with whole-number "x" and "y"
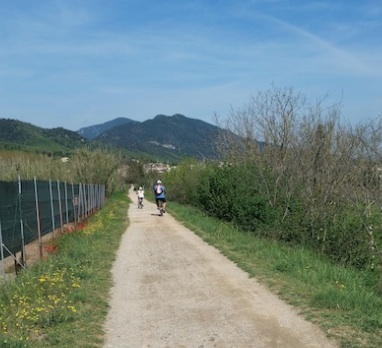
{"x": 94, "y": 131}
{"x": 164, "y": 137}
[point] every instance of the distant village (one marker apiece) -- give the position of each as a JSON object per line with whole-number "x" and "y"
{"x": 157, "y": 167}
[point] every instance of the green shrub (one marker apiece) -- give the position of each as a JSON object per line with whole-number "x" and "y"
{"x": 251, "y": 211}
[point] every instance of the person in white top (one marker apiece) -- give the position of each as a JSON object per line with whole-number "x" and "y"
{"x": 141, "y": 195}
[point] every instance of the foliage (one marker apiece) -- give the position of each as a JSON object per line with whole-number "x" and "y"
{"x": 225, "y": 192}
{"x": 294, "y": 173}
{"x": 218, "y": 199}
{"x": 321, "y": 178}
{"x": 220, "y": 195}
{"x": 182, "y": 182}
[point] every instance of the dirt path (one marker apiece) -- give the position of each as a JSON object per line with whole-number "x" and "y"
{"x": 174, "y": 290}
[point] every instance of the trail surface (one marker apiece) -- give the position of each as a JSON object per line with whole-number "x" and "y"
{"x": 172, "y": 290}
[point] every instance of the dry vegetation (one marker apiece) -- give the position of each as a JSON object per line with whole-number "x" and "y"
{"x": 305, "y": 152}
{"x": 84, "y": 166}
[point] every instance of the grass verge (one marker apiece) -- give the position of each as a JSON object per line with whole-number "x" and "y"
{"x": 63, "y": 300}
{"x": 345, "y": 303}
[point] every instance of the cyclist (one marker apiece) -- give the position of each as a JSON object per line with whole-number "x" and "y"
{"x": 160, "y": 194}
{"x": 141, "y": 195}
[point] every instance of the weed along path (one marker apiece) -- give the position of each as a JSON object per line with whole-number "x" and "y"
{"x": 172, "y": 290}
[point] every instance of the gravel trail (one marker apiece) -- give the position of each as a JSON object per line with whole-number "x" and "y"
{"x": 172, "y": 290}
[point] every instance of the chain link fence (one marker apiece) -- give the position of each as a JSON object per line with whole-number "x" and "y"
{"x": 31, "y": 209}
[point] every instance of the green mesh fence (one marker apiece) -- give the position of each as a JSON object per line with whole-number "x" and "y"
{"x": 30, "y": 209}
{"x": 10, "y": 216}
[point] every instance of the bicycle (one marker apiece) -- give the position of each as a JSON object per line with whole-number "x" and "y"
{"x": 140, "y": 203}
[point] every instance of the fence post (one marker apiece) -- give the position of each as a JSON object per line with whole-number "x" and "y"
{"x": 38, "y": 217}
{"x": 85, "y": 201}
{"x": 23, "y": 259}
{"x": 2, "y": 253}
{"x": 75, "y": 210}
{"x": 52, "y": 207}
{"x": 93, "y": 199}
{"x": 80, "y": 202}
{"x": 60, "y": 206}
{"x": 97, "y": 196}
{"x": 66, "y": 203}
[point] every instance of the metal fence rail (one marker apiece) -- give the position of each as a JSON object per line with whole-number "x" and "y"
{"x": 31, "y": 209}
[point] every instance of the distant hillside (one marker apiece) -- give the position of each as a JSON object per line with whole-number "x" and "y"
{"x": 25, "y": 136}
{"x": 171, "y": 137}
{"x": 93, "y": 132}
{"x": 164, "y": 138}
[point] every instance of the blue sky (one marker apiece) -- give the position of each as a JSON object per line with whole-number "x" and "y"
{"x": 72, "y": 64}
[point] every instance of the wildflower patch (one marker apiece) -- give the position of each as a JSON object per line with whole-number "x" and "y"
{"x": 30, "y": 311}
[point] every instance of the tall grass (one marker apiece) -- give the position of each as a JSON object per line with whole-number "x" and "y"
{"x": 14, "y": 163}
{"x": 85, "y": 165}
